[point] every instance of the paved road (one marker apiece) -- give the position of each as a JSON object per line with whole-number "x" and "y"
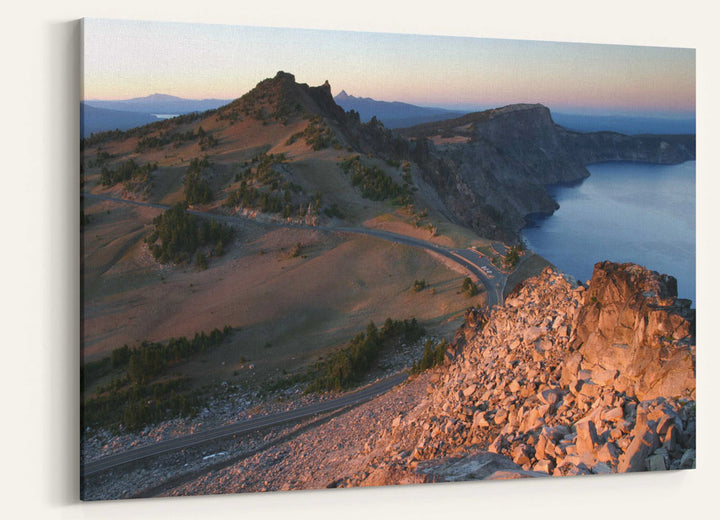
{"x": 480, "y": 266}
{"x": 249, "y": 425}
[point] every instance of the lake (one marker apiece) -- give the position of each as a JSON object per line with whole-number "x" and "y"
{"x": 624, "y": 212}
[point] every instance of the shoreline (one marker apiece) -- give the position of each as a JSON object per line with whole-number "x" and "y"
{"x": 647, "y": 238}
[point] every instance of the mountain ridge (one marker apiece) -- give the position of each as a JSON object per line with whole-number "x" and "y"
{"x": 94, "y": 119}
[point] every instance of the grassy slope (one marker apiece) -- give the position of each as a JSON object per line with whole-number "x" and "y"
{"x": 300, "y": 306}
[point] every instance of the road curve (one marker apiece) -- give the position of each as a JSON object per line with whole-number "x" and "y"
{"x": 469, "y": 259}
{"x": 249, "y": 425}
{"x": 466, "y": 258}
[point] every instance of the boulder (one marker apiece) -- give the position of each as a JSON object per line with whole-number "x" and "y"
{"x": 532, "y": 333}
{"x": 501, "y": 416}
{"x": 644, "y": 442}
{"x": 513, "y": 474}
{"x": 587, "y": 438}
{"x": 470, "y": 390}
{"x": 478, "y": 466}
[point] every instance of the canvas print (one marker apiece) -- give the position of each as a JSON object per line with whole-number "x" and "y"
{"x": 321, "y": 259}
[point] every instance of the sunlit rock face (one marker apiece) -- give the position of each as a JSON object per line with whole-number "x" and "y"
{"x": 633, "y": 325}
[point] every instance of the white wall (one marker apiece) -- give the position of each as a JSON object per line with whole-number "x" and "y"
{"x": 39, "y": 260}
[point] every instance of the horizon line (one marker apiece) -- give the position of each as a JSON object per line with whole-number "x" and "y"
{"x": 623, "y": 111}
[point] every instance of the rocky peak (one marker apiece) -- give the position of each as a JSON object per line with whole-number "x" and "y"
{"x": 281, "y": 97}
{"x": 284, "y": 76}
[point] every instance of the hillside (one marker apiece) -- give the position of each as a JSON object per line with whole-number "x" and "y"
{"x": 279, "y": 120}
{"x": 285, "y": 154}
{"x": 523, "y": 393}
{"x": 271, "y": 177}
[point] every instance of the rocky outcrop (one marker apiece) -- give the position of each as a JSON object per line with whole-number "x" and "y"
{"x": 520, "y": 395}
{"x": 530, "y": 389}
{"x": 634, "y": 330}
{"x": 495, "y": 176}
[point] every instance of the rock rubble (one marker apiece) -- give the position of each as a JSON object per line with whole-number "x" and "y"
{"x": 562, "y": 380}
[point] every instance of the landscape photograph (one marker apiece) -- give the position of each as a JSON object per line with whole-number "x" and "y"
{"x": 321, "y": 259}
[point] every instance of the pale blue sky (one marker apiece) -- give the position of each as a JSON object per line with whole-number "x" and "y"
{"x": 124, "y": 59}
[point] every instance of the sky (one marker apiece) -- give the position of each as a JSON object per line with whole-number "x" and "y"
{"x": 124, "y": 59}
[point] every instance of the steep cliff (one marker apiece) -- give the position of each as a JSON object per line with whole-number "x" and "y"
{"x": 491, "y": 167}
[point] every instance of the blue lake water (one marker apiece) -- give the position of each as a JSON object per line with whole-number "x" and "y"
{"x": 624, "y": 212}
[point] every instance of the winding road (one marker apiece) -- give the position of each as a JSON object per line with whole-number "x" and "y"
{"x": 469, "y": 259}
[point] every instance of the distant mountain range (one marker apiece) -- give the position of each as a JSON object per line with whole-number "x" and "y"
{"x": 93, "y": 119}
{"x": 159, "y": 104}
{"x": 628, "y": 125}
{"x": 98, "y": 115}
{"x": 394, "y": 114}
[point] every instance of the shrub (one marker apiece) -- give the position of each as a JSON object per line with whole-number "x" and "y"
{"x": 200, "y": 260}
{"x": 334, "y": 211}
{"x": 433, "y": 355}
{"x": 374, "y": 183}
{"x": 133, "y": 399}
{"x": 181, "y": 234}
{"x": 469, "y": 287}
{"x": 347, "y": 365}
{"x": 127, "y": 172}
{"x": 197, "y": 189}
{"x": 513, "y": 256}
